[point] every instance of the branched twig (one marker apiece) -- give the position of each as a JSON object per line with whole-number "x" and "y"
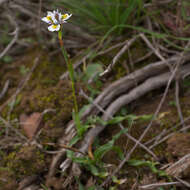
{"x": 185, "y": 183}
{"x": 128, "y": 82}
{"x": 78, "y": 63}
{"x": 15, "y": 38}
{"x": 177, "y": 101}
{"x": 5, "y": 88}
{"x": 169, "y": 135}
{"x": 22, "y": 84}
{"x": 177, "y": 168}
{"x": 8, "y": 125}
{"x": 119, "y": 54}
{"x": 143, "y": 57}
{"x": 2, "y": 1}
{"x": 156, "y": 51}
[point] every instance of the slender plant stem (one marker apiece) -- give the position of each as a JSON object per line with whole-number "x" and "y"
{"x": 71, "y": 71}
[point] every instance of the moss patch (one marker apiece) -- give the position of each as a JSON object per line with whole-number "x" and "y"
{"x": 26, "y": 161}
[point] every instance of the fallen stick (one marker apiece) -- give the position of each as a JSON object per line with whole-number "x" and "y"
{"x": 156, "y": 185}
{"x": 126, "y": 83}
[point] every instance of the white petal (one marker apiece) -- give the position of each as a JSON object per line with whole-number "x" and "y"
{"x": 66, "y": 16}
{"x": 55, "y": 12}
{"x": 53, "y": 28}
{"x": 55, "y": 21}
{"x": 52, "y": 15}
{"x": 58, "y": 27}
{"x": 60, "y": 17}
{"x": 55, "y": 16}
{"x": 45, "y": 19}
{"x": 49, "y": 13}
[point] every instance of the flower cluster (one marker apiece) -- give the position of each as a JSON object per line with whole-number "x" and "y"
{"x": 55, "y": 19}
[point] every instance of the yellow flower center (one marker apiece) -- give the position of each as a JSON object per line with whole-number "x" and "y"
{"x": 64, "y": 16}
{"x": 49, "y": 18}
{"x": 54, "y": 26}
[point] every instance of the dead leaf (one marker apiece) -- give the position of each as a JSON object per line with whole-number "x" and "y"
{"x": 30, "y": 124}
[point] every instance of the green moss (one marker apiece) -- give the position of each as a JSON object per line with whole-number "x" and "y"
{"x": 27, "y": 161}
{"x": 47, "y": 72}
{"x": 120, "y": 72}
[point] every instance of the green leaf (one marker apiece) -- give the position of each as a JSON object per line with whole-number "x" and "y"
{"x": 91, "y": 70}
{"x": 138, "y": 163}
{"x": 95, "y": 120}
{"x": 74, "y": 140}
{"x": 118, "y": 181}
{"x": 186, "y": 82}
{"x": 100, "y": 151}
{"x": 16, "y": 102}
{"x": 94, "y": 170}
{"x": 83, "y": 109}
{"x": 92, "y": 187}
{"x": 116, "y": 120}
{"x": 147, "y": 117}
{"x": 118, "y": 150}
{"x": 81, "y": 186}
{"x": 151, "y": 165}
{"x": 70, "y": 154}
{"x": 172, "y": 103}
{"x": 7, "y": 59}
{"x": 44, "y": 187}
{"x": 81, "y": 160}
{"x": 93, "y": 91}
{"x": 97, "y": 171}
{"x": 24, "y": 70}
{"x": 79, "y": 126}
{"x": 4, "y": 169}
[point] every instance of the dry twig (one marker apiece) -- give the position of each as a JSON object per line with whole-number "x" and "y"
{"x": 22, "y": 84}
{"x": 5, "y": 88}
{"x": 128, "y": 82}
{"x": 15, "y": 38}
{"x": 156, "y": 185}
{"x": 119, "y": 54}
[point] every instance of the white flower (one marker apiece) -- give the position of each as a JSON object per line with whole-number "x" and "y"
{"x": 54, "y": 27}
{"x": 55, "y": 19}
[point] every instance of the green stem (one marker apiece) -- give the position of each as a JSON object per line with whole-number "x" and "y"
{"x": 71, "y": 71}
